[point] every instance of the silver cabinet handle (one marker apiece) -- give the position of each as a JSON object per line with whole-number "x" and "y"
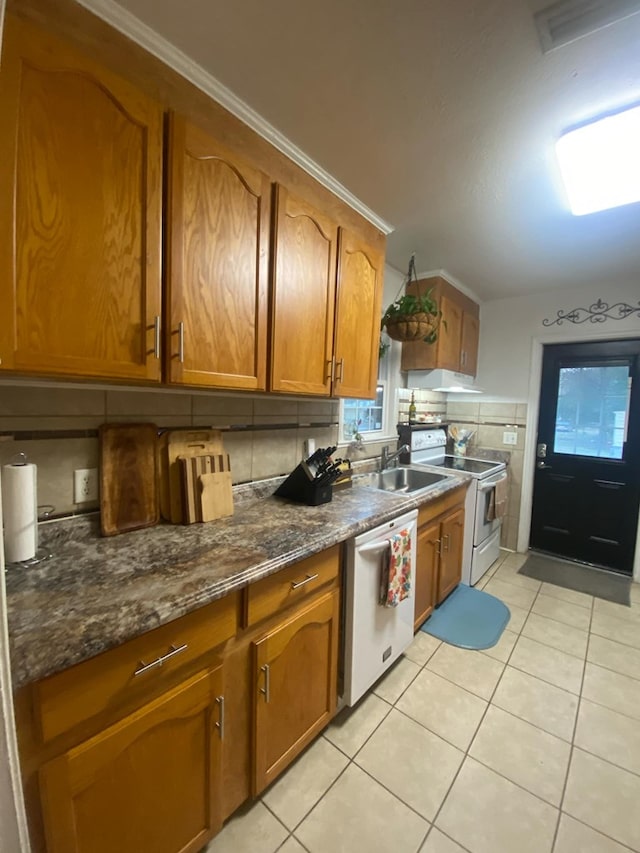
{"x": 308, "y": 579}
{"x": 220, "y": 723}
{"x": 181, "y": 342}
{"x": 341, "y": 366}
{"x": 331, "y": 367}
{"x": 445, "y": 542}
{"x": 266, "y": 690}
{"x": 156, "y": 336}
{"x": 463, "y": 359}
{"x": 173, "y": 651}
{"x": 439, "y": 547}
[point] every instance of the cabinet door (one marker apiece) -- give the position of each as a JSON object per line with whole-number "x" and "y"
{"x": 469, "y": 351}
{"x": 304, "y": 291}
{"x": 452, "y": 534}
{"x": 218, "y": 253}
{"x": 449, "y": 334}
{"x": 427, "y": 553}
{"x": 81, "y": 157}
{"x": 148, "y": 783}
{"x": 295, "y": 684}
{"x": 357, "y": 338}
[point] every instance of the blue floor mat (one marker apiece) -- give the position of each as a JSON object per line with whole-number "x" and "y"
{"x": 469, "y": 618}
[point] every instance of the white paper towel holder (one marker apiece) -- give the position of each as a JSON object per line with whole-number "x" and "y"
{"x": 41, "y": 554}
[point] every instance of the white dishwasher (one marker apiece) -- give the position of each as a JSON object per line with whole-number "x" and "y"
{"x": 375, "y": 635}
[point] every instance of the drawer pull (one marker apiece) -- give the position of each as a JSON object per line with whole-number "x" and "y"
{"x": 220, "y": 723}
{"x": 173, "y": 651}
{"x": 266, "y": 690}
{"x": 308, "y": 579}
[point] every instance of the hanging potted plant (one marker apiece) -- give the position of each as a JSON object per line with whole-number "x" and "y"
{"x": 412, "y": 317}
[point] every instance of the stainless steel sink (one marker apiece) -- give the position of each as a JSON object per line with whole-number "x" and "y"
{"x": 400, "y": 479}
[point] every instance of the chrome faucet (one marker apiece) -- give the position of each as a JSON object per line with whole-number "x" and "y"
{"x": 386, "y": 460}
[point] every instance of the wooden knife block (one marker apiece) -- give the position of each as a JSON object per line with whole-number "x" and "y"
{"x": 206, "y": 487}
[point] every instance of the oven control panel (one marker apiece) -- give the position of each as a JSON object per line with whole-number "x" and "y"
{"x": 428, "y": 439}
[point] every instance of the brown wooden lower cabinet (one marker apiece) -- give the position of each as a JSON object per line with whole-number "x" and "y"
{"x": 150, "y": 782}
{"x": 294, "y": 681}
{"x": 438, "y": 552}
{"x": 426, "y": 575}
{"x": 153, "y": 759}
{"x": 450, "y": 563}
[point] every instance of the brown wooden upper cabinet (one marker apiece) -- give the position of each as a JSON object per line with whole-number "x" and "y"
{"x": 80, "y": 247}
{"x": 304, "y": 290}
{"x": 357, "y": 336}
{"x": 457, "y": 345}
{"x": 325, "y": 318}
{"x": 218, "y": 220}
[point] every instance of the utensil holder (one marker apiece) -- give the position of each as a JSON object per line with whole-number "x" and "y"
{"x": 298, "y": 487}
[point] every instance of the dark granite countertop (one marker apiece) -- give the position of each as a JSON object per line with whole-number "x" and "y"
{"x": 95, "y": 593}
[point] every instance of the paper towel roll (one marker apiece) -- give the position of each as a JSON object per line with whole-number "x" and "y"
{"x": 19, "y": 503}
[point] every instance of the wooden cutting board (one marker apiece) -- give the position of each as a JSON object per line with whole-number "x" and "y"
{"x": 173, "y": 444}
{"x": 128, "y": 477}
{"x": 207, "y": 487}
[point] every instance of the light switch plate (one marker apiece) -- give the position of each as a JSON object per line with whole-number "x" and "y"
{"x": 509, "y": 437}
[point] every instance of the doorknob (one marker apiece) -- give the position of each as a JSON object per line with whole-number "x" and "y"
{"x": 541, "y": 464}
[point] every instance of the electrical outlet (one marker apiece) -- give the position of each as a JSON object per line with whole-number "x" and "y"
{"x": 85, "y": 485}
{"x": 509, "y": 437}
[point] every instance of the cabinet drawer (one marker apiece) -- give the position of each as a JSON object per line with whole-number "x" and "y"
{"x": 132, "y": 673}
{"x": 291, "y": 585}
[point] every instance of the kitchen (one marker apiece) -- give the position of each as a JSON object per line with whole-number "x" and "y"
{"x": 511, "y": 328}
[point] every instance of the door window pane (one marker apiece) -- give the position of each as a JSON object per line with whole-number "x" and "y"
{"x": 592, "y": 411}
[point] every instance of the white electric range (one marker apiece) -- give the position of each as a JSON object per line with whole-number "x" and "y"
{"x": 481, "y": 546}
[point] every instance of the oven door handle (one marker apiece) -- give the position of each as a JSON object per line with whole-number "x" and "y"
{"x": 485, "y": 487}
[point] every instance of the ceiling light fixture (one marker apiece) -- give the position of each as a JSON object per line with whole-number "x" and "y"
{"x": 600, "y": 163}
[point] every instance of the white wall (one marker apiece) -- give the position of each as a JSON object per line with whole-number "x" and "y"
{"x": 512, "y": 335}
{"x": 508, "y": 328}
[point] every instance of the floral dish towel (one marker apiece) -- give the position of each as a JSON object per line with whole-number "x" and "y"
{"x": 395, "y": 575}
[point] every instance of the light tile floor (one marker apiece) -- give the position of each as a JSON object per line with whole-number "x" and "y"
{"x": 532, "y": 746}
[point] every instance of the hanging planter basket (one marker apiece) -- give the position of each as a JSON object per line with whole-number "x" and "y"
{"x": 412, "y": 317}
{"x": 413, "y": 327}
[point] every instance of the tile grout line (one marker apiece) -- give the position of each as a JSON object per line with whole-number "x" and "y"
{"x": 466, "y": 752}
{"x": 573, "y": 735}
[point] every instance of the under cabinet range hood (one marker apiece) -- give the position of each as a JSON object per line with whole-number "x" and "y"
{"x": 442, "y": 380}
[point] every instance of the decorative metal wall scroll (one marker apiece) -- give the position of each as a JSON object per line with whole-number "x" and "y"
{"x": 596, "y": 313}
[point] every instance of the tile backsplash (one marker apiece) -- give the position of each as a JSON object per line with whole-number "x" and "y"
{"x": 254, "y": 453}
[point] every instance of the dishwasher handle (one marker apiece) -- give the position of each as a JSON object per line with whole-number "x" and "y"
{"x": 374, "y": 547}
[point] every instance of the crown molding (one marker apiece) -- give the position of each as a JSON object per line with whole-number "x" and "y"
{"x": 454, "y": 281}
{"x": 141, "y": 34}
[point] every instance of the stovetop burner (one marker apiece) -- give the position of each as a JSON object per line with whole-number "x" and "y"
{"x": 471, "y": 466}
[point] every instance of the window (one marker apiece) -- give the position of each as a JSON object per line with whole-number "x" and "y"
{"x": 592, "y": 413}
{"x": 364, "y": 416}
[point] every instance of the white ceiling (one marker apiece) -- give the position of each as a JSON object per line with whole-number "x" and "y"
{"x": 440, "y": 115}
